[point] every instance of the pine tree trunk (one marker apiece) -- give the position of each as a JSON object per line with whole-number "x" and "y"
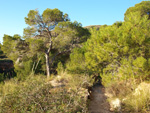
{"x": 47, "y": 64}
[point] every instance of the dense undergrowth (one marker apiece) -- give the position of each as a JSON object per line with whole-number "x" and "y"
{"x": 37, "y": 95}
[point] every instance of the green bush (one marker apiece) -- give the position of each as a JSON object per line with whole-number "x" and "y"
{"x": 76, "y": 64}
{"x": 60, "y": 68}
{"x": 1, "y": 77}
{"x": 23, "y": 69}
{"x": 120, "y": 53}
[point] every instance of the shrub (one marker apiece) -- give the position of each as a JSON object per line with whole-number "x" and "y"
{"x": 1, "y": 77}
{"x": 76, "y": 64}
{"x": 139, "y": 99}
{"x": 36, "y": 96}
{"x": 60, "y": 68}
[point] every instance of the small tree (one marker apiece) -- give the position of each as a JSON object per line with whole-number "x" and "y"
{"x": 52, "y": 34}
{"x": 41, "y": 26}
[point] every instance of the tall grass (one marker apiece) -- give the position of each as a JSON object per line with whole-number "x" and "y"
{"x": 139, "y": 99}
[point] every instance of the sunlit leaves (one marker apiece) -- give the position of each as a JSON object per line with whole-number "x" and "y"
{"x": 32, "y": 17}
{"x": 29, "y": 32}
{"x": 121, "y": 50}
{"x": 69, "y": 34}
{"x": 36, "y": 45}
{"x": 143, "y": 8}
{"x": 52, "y": 16}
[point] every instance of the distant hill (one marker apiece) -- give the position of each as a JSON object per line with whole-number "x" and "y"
{"x": 92, "y": 26}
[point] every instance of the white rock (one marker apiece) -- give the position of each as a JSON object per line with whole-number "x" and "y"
{"x": 115, "y": 104}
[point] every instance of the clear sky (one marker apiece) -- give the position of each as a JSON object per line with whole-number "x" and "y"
{"x": 88, "y": 12}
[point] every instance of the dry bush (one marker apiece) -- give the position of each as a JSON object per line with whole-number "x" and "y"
{"x": 34, "y": 95}
{"x": 139, "y": 100}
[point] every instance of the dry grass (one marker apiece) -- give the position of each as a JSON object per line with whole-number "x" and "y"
{"x": 139, "y": 99}
{"x": 35, "y": 94}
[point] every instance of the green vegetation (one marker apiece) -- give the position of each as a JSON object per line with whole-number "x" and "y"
{"x": 36, "y": 94}
{"x": 118, "y": 54}
{"x": 6, "y": 66}
{"x": 121, "y": 55}
{"x": 41, "y": 38}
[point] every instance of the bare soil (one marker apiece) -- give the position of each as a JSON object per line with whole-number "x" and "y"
{"x": 98, "y": 102}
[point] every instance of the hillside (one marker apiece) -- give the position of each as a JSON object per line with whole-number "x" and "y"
{"x": 92, "y": 26}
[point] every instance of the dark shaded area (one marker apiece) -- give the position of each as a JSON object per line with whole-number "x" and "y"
{"x": 6, "y": 67}
{"x": 6, "y": 70}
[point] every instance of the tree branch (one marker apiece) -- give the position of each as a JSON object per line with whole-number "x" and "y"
{"x": 50, "y": 37}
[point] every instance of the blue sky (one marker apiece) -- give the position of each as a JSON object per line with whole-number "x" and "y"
{"x": 88, "y": 12}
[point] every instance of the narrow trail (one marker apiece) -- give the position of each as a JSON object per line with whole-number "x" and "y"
{"x": 98, "y": 102}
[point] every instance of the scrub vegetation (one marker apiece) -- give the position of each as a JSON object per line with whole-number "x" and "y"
{"x": 54, "y": 50}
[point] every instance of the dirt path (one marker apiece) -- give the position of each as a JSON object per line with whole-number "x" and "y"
{"x": 98, "y": 102}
